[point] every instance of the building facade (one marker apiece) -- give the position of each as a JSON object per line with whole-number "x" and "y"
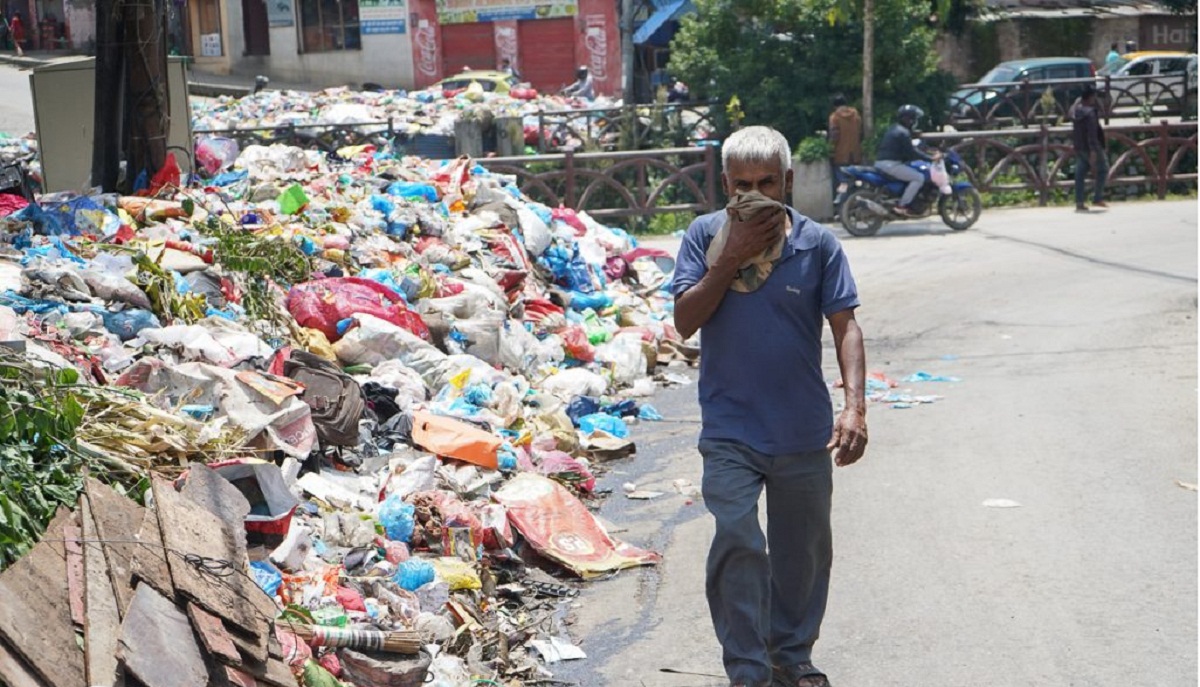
{"x": 405, "y": 43}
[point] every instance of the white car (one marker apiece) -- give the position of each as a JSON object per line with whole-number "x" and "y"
{"x": 1159, "y": 78}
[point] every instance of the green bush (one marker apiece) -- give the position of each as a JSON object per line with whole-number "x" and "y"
{"x": 814, "y": 149}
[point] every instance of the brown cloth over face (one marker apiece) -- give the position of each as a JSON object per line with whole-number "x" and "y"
{"x": 755, "y": 271}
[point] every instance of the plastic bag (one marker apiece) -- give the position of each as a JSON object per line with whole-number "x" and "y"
{"x": 603, "y": 422}
{"x": 413, "y": 574}
{"x": 415, "y": 190}
{"x": 267, "y": 577}
{"x": 455, "y": 439}
{"x": 457, "y": 573}
{"x": 939, "y": 177}
{"x": 216, "y": 154}
{"x": 293, "y": 200}
{"x": 575, "y": 342}
{"x": 397, "y": 518}
{"x": 323, "y": 303}
{"x": 625, "y": 357}
{"x": 575, "y": 382}
{"x": 127, "y": 324}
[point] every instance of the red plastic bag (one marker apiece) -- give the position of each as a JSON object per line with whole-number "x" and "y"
{"x": 570, "y": 217}
{"x": 321, "y": 304}
{"x": 537, "y": 309}
{"x": 167, "y": 176}
{"x": 576, "y": 344}
{"x": 561, "y": 467}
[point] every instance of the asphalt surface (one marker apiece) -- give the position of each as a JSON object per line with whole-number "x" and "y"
{"x": 1075, "y": 340}
{"x": 16, "y": 107}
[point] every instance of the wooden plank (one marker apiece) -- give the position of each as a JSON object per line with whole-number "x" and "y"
{"x": 251, "y": 647}
{"x": 190, "y": 530}
{"x": 102, "y": 622}
{"x": 73, "y": 534}
{"x": 157, "y": 644}
{"x": 118, "y": 520}
{"x": 239, "y": 679}
{"x": 14, "y": 672}
{"x": 149, "y": 562}
{"x": 34, "y": 589}
{"x": 218, "y": 496}
{"x": 272, "y": 671}
{"x": 213, "y": 636}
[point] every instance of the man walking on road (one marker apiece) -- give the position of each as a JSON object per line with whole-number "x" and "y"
{"x": 757, "y": 280}
{"x": 1089, "y": 148}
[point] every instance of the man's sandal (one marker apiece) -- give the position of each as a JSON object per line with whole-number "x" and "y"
{"x": 800, "y": 675}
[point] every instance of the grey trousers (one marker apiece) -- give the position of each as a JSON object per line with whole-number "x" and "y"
{"x": 767, "y": 595}
{"x": 901, "y": 171}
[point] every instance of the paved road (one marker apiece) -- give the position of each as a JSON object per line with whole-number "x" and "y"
{"x": 16, "y": 108}
{"x": 1075, "y": 338}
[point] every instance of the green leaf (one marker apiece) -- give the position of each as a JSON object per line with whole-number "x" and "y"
{"x": 72, "y": 411}
{"x": 189, "y": 206}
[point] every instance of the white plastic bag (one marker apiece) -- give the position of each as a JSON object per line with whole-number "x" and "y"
{"x": 939, "y": 176}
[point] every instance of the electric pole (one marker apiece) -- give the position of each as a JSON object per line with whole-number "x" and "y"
{"x": 868, "y": 92}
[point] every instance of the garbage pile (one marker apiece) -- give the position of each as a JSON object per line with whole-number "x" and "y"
{"x": 419, "y": 112}
{"x": 408, "y": 372}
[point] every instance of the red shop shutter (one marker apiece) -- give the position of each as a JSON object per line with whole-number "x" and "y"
{"x": 467, "y": 45}
{"x": 547, "y": 49}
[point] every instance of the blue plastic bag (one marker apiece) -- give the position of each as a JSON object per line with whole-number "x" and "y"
{"x": 127, "y": 324}
{"x": 21, "y": 305}
{"x": 478, "y": 394}
{"x": 413, "y": 574}
{"x": 603, "y": 422}
{"x": 649, "y": 412}
{"x": 592, "y": 301}
{"x": 926, "y": 377}
{"x": 267, "y": 576}
{"x": 582, "y": 406}
{"x": 413, "y": 189}
{"x": 397, "y": 518}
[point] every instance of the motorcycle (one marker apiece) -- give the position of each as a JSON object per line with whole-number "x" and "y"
{"x": 867, "y": 197}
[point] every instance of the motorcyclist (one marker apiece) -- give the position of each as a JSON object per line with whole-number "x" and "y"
{"x": 896, "y": 150}
{"x": 583, "y": 87}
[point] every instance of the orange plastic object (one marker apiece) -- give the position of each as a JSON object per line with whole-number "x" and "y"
{"x": 456, "y": 439}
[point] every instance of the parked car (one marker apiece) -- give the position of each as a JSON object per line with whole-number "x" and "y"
{"x": 997, "y": 98}
{"x": 1158, "y": 79}
{"x": 490, "y": 81}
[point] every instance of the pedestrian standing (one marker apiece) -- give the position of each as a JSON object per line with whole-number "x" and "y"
{"x": 845, "y": 135}
{"x": 757, "y": 280}
{"x": 17, "y": 30}
{"x": 1089, "y": 144}
{"x": 1113, "y": 55}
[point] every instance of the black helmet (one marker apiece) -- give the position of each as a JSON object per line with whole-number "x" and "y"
{"x": 582, "y": 72}
{"x": 910, "y": 113}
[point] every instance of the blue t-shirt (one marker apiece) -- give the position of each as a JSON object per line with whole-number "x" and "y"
{"x": 760, "y": 358}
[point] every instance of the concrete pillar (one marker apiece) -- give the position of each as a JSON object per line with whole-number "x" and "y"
{"x": 812, "y": 189}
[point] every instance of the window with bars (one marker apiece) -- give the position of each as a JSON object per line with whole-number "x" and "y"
{"x": 329, "y": 25}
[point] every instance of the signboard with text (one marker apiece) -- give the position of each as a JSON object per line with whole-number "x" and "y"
{"x": 469, "y": 11}
{"x": 383, "y": 16}
{"x": 281, "y": 12}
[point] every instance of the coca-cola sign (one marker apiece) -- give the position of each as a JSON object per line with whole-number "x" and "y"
{"x": 425, "y": 41}
{"x": 596, "y": 42}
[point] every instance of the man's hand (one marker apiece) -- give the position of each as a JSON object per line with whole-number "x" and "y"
{"x": 750, "y": 238}
{"x": 849, "y": 440}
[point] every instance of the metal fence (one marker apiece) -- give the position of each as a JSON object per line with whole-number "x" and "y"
{"x": 630, "y": 127}
{"x": 1155, "y": 157}
{"x": 1032, "y": 103}
{"x": 635, "y": 184}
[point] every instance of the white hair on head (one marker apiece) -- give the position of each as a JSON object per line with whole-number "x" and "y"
{"x": 757, "y": 145}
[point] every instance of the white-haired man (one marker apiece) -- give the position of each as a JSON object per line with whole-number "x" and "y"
{"x": 756, "y": 280}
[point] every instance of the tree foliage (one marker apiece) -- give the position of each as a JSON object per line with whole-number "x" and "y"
{"x": 785, "y": 59}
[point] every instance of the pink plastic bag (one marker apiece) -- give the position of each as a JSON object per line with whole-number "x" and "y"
{"x": 321, "y": 304}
